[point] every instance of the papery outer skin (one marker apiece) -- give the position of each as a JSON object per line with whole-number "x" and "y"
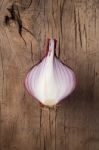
{"x": 50, "y": 81}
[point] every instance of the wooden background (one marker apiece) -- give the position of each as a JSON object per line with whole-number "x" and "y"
{"x": 24, "y": 27}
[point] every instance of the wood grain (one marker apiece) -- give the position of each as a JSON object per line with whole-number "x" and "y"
{"x": 24, "y": 27}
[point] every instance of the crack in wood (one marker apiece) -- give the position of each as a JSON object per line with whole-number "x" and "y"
{"x": 2, "y": 75}
{"x": 44, "y": 7}
{"x": 16, "y": 17}
{"x": 95, "y": 20}
{"x": 61, "y": 20}
{"x": 79, "y": 29}
{"x": 39, "y": 2}
{"x": 62, "y": 4}
{"x": 85, "y": 36}
{"x": 44, "y": 21}
{"x": 59, "y": 48}
{"x": 32, "y": 53}
{"x": 53, "y": 14}
{"x": 25, "y": 4}
{"x": 75, "y": 23}
{"x": 65, "y": 130}
{"x": 44, "y": 144}
{"x": 40, "y": 125}
{"x": 49, "y": 123}
{"x": 55, "y": 126}
{"x": 29, "y": 4}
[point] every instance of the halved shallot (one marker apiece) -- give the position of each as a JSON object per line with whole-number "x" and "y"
{"x": 50, "y": 81}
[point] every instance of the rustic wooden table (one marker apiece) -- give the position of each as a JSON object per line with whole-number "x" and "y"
{"x": 24, "y": 27}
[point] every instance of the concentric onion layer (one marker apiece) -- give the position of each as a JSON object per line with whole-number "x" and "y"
{"x": 50, "y": 82}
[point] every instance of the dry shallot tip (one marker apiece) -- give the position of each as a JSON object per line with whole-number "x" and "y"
{"x": 49, "y": 45}
{"x": 50, "y": 81}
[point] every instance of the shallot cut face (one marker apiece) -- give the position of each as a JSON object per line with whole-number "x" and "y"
{"x": 50, "y": 81}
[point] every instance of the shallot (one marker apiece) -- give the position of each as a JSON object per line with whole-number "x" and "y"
{"x": 50, "y": 81}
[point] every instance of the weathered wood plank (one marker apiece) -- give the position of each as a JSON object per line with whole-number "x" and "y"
{"x": 24, "y": 27}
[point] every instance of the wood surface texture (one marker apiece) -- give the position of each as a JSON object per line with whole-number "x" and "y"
{"x": 25, "y": 26}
